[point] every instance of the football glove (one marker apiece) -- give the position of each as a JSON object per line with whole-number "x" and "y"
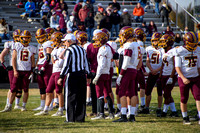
{"x": 118, "y": 81}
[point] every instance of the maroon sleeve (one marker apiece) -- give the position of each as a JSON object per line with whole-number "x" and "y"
{"x": 128, "y": 52}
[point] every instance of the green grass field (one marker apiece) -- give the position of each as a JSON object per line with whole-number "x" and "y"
{"x": 17, "y": 121}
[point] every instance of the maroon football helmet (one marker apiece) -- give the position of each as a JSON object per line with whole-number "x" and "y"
{"x": 166, "y": 40}
{"x": 139, "y": 33}
{"x": 81, "y": 37}
{"x": 49, "y": 32}
{"x": 106, "y": 31}
{"x": 191, "y": 41}
{"x": 16, "y": 35}
{"x": 155, "y": 39}
{"x": 125, "y": 34}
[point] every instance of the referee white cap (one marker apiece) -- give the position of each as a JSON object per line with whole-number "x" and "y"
{"x": 69, "y": 36}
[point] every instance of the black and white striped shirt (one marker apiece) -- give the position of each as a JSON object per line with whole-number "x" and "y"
{"x": 75, "y": 60}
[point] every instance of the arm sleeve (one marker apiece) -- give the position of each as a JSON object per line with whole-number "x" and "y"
{"x": 101, "y": 65}
{"x": 66, "y": 64}
{"x": 86, "y": 63}
{"x": 177, "y": 61}
{"x": 125, "y": 64}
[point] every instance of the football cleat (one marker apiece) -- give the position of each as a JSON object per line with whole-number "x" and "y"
{"x": 17, "y": 107}
{"x": 163, "y": 114}
{"x": 99, "y": 117}
{"x": 23, "y": 108}
{"x": 55, "y": 105}
{"x": 144, "y": 111}
{"x": 122, "y": 119}
{"x": 174, "y": 114}
{"x": 89, "y": 103}
{"x": 42, "y": 113}
{"x": 132, "y": 118}
{"x": 158, "y": 112}
{"x": 106, "y": 110}
{"x": 58, "y": 113}
{"x": 50, "y": 108}
{"x": 93, "y": 114}
{"x": 110, "y": 116}
{"x": 118, "y": 113}
{"x": 6, "y": 109}
{"x": 186, "y": 121}
{"x": 38, "y": 108}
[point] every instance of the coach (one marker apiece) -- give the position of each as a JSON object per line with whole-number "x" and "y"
{"x": 75, "y": 68}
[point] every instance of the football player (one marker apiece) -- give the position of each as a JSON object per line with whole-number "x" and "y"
{"x": 104, "y": 57}
{"x": 23, "y": 62}
{"x": 43, "y": 67}
{"x": 57, "y": 66}
{"x": 82, "y": 41}
{"x": 8, "y": 49}
{"x": 140, "y": 38}
{"x": 154, "y": 63}
{"x": 127, "y": 77}
{"x": 187, "y": 65}
{"x": 49, "y": 31}
{"x": 168, "y": 74}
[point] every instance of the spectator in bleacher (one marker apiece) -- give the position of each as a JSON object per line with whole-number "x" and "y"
{"x": 125, "y": 18}
{"x": 64, "y": 6}
{"x": 77, "y": 7}
{"x": 115, "y": 21}
{"x": 157, "y": 6}
{"x": 52, "y": 4}
{"x": 100, "y": 7}
{"x": 143, "y": 4}
{"x": 58, "y": 28}
{"x": 109, "y": 9}
{"x": 30, "y": 8}
{"x": 21, "y": 4}
{"x": 75, "y": 26}
{"x": 98, "y": 17}
{"x": 4, "y": 30}
{"x": 168, "y": 31}
{"x": 152, "y": 28}
{"x": 177, "y": 38}
{"x": 54, "y": 20}
{"x": 45, "y": 9}
{"x": 164, "y": 12}
{"x": 105, "y": 22}
{"x": 66, "y": 17}
{"x": 89, "y": 24}
{"x": 44, "y": 22}
{"x": 90, "y": 6}
{"x": 70, "y": 22}
{"x": 138, "y": 13}
{"x": 115, "y": 4}
{"x": 62, "y": 24}
{"x": 186, "y": 30}
{"x": 58, "y": 9}
{"x": 144, "y": 27}
{"x": 83, "y": 12}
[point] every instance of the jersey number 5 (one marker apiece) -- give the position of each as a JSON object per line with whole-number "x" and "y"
{"x": 24, "y": 55}
{"x": 192, "y": 61}
{"x": 155, "y": 58}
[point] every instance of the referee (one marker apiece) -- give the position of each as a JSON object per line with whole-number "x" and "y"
{"x": 75, "y": 68}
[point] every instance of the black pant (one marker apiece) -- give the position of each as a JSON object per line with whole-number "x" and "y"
{"x": 76, "y": 95}
{"x": 163, "y": 17}
{"x": 93, "y": 94}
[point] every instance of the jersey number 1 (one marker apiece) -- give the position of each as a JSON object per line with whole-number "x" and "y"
{"x": 155, "y": 58}
{"x": 24, "y": 55}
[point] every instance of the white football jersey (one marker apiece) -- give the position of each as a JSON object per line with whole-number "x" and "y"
{"x": 141, "y": 47}
{"x": 113, "y": 44}
{"x": 189, "y": 62}
{"x": 104, "y": 57}
{"x": 42, "y": 52}
{"x": 58, "y": 63}
{"x": 10, "y": 45}
{"x": 24, "y": 56}
{"x": 136, "y": 54}
{"x": 86, "y": 45}
{"x": 155, "y": 56}
{"x": 168, "y": 62}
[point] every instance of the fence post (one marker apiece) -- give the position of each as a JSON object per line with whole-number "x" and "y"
{"x": 186, "y": 19}
{"x": 176, "y": 14}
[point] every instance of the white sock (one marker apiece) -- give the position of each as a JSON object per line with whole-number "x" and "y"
{"x": 42, "y": 103}
{"x": 165, "y": 108}
{"x": 172, "y": 107}
{"x": 129, "y": 109}
{"x": 7, "y": 101}
{"x": 88, "y": 99}
{"x": 60, "y": 109}
{"x": 51, "y": 105}
{"x": 184, "y": 114}
{"x": 17, "y": 100}
{"x": 9, "y": 105}
{"x": 199, "y": 114}
{"x": 142, "y": 101}
{"x": 46, "y": 108}
{"x": 113, "y": 106}
{"x": 23, "y": 104}
{"x": 56, "y": 100}
{"x": 123, "y": 110}
{"x": 137, "y": 105}
{"x": 132, "y": 111}
{"x": 106, "y": 105}
{"x": 119, "y": 106}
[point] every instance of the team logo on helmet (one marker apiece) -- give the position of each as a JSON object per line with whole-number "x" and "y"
{"x": 165, "y": 41}
{"x": 56, "y": 39}
{"x": 125, "y": 34}
{"x": 76, "y": 32}
{"x": 191, "y": 41}
{"x": 100, "y": 39}
{"x": 155, "y": 39}
{"x": 139, "y": 33}
{"x": 81, "y": 37}
{"x": 25, "y": 37}
{"x": 16, "y": 35}
{"x": 49, "y": 32}
{"x": 41, "y": 36}
{"x": 106, "y": 31}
